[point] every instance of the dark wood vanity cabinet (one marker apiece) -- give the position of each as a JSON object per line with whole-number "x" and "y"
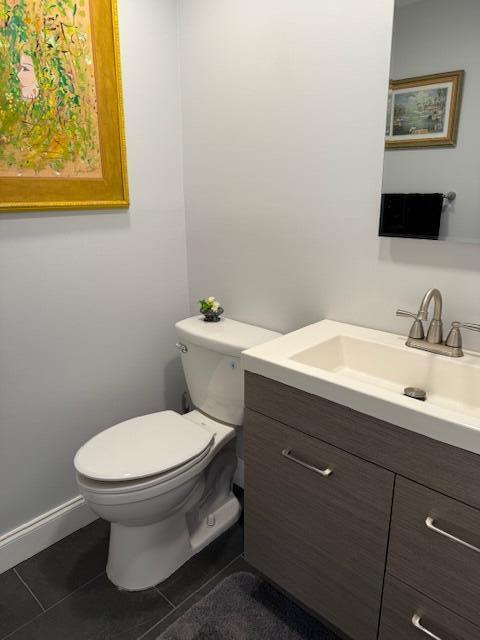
{"x": 323, "y": 538}
{"x": 348, "y": 514}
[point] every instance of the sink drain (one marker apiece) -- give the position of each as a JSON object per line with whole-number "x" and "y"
{"x": 416, "y": 393}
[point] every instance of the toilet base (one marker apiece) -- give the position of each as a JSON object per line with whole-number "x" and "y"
{"x": 142, "y": 557}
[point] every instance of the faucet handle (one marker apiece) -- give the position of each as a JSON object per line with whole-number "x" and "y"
{"x": 454, "y": 338}
{"x": 406, "y": 314}
{"x": 467, "y": 325}
{"x": 416, "y": 330}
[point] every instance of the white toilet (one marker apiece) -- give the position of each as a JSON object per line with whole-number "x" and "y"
{"x": 164, "y": 480}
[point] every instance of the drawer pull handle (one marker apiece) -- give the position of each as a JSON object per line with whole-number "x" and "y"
{"x": 417, "y": 623}
{"x": 430, "y": 522}
{"x": 287, "y": 453}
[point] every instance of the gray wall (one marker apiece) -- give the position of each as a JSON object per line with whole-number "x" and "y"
{"x": 284, "y": 113}
{"x": 88, "y": 300}
{"x": 433, "y": 36}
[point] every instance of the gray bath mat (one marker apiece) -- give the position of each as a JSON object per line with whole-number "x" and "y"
{"x": 243, "y": 607}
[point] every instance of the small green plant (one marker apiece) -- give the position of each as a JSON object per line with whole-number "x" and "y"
{"x": 209, "y": 304}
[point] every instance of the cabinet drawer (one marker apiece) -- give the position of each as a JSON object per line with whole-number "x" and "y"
{"x": 320, "y": 536}
{"x": 435, "y": 547}
{"x": 402, "y": 603}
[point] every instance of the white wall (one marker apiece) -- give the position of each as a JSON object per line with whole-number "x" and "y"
{"x": 88, "y": 300}
{"x": 284, "y": 112}
{"x": 434, "y": 36}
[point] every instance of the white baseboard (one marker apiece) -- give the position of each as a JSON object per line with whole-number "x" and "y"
{"x": 41, "y": 532}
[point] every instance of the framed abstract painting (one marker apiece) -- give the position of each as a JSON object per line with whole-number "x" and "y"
{"x": 62, "y": 139}
{"x": 424, "y": 111}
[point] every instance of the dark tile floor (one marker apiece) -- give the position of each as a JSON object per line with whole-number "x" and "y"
{"x": 63, "y": 591}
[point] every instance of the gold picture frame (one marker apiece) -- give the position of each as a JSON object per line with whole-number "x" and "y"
{"x": 90, "y": 170}
{"x": 424, "y": 111}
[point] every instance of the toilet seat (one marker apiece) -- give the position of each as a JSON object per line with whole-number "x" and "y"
{"x": 130, "y": 491}
{"x": 141, "y": 484}
{"x": 156, "y": 446}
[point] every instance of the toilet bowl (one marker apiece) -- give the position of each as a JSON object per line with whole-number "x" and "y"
{"x": 164, "y": 480}
{"x": 159, "y": 521}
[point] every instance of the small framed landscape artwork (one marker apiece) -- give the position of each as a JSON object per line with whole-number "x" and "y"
{"x": 62, "y": 141}
{"x": 424, "y": 111}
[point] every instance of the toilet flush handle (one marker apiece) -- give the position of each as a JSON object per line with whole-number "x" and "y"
{"x": 182, "y": 347}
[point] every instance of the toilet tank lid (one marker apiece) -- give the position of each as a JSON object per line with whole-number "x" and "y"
{"x": 227, "y": 336}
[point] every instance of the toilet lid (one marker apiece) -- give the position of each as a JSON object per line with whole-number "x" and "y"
{"x": 142, "y": 447}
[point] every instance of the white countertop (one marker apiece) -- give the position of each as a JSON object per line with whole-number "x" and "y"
{"x": 367, "y": 370}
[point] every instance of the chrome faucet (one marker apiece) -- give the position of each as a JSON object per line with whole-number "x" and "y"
{"x": 435, "y": 330}
{"x": 452, "y": 346}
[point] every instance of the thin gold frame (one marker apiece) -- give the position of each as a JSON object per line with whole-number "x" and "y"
{"x": 450, "y": 140}
{"x": 116, "y": 194}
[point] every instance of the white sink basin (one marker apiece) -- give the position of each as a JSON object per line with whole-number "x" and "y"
{"x": 450, "y": 383}
{"x": 368, "y": 370}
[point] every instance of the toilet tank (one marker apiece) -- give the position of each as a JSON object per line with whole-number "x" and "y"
{"x": 211, "y": 363}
